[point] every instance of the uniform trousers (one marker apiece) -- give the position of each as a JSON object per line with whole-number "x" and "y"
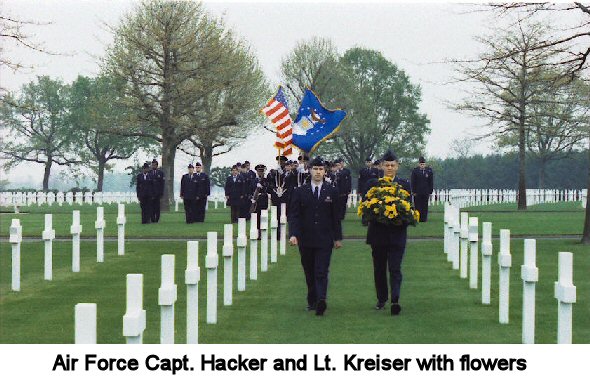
{"x": 155, "y": 210}
{"x": 200, "y": 205}
{"x": 316, "y": 263}
{"x": 190, "y": 210}
{"x": 388, "y": 259}
{"x": 421, "y": 203}
{"x": 146, "y": 209}
{"x": 235, "y": 212}
{"x": 343, "y": 202}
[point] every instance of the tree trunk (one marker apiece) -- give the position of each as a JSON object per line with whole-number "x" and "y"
{"x": 586, "y": 234}
{"x": 168, "y": 156}
{"x": 46, "y": 174}
{"x": 542, "y": 164}
{"x": 207, "y": 157}
{"x": 100, "y": 181}
{"x": 521, "y": 168}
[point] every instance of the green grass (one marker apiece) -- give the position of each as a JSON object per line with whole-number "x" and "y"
{"x": 545, "y": 219}
{"x": 438, "y": 306}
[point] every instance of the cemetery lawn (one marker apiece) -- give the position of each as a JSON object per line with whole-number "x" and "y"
{"x": 539, "y": 220}
{"x": 437, "y": 306}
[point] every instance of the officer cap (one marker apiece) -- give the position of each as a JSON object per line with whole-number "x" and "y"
{"x": 421, "y": 160}
{"x": 154, "y": 161}
{"x": 190, "y": 166}
{"x": 146, "y": 165}
{"x": 246, "y": 162}
{"x": 234, "y": 167}
{"x": 338, "y": 160}
{"x": 260, "y": 167}
{"x": 318, "y": 161}
{"x": 389, "y": 156}
{"x": 281, "y": 158}
{"x": 244, "y": 165}
{"x": 198, "y": 164}
{"x": 239, "y": 164}
{"x": 377, "y": 162}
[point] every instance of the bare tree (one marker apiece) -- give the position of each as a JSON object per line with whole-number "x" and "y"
{"x": 507, "y": 80}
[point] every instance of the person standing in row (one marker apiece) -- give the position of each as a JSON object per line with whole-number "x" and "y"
{"x": 249, "y": 187}
{"x": 235, "y": 191}
{"x": 158, "y": 189}
{"x": 203, "y": 184}
{"x": 188, "y": 193}
{"x": 422, "y": 181}
{"x": 365, "y": 174}
{"x": 260, "y": 197}
{"x": 344, "y": 181}
{"x": 144, "y": 190}
{"x": 315, "y": 227}
{"x": 278, "y": 182}
{"x": 388, "y": 244}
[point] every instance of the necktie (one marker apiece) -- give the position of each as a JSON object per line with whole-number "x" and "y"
{"x": 316, "y": 192}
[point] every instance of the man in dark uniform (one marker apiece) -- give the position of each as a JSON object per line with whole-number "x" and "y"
{"x": 249, "y": 185}
{"x": 202, "y": 192}
{"x": 144, "y": 189}
{"x": 260, "y": 196}
{"x": 188, "y": 193}
{"x": 365, "y": 174}
{"x": 422, "y": 186}
{"x": 158, "y": 189}
{"x": 388, "y": 244}
{"x": 251, "y": 173}
{"x": 279, "y": 188}
{"x": 235, "y": 192}
{"x": 315, "y": 226}
{"x": 344, "y": 181}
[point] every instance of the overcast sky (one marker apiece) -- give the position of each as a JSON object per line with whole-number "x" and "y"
{"x": 416, "y": 37}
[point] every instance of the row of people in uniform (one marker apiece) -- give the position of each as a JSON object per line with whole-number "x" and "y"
{"x": 247, "y": 192}
{"x": 149, "y": 187}
{"x": 421, "y": 183}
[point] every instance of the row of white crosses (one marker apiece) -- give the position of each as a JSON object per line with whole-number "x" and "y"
{"x": 460, "y": 231}
{"x": 134, "y": 320}
{"x": 48, "y": 235}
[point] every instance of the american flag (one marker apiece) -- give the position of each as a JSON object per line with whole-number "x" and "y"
{"x": 277, "y": 112}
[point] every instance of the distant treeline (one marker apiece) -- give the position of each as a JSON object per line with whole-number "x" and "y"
{"x": 501, "y": 172}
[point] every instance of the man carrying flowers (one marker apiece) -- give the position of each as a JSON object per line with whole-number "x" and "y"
{"x": 388, "y": 210}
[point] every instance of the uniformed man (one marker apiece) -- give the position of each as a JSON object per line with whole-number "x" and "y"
{"x": 235, "y": 192}
{"x": 388, "y": 244}
{"x": 260, "y": 196}
{"x": 344, "y": 181}
{"x": 422, "y": 186}
{"x": 244, "y": 174}
{"x": 365, "y": 174}
{"x": 158, "y": 188}
{"x": 145, "y": 193}
{"x": 279, "y": 188}
{"x": 188, "y": 193}
{"x": 315, "y": 227}
{"x": 203, "y": 191}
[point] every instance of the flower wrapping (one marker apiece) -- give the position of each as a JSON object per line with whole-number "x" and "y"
{"x": 388, "y": 203}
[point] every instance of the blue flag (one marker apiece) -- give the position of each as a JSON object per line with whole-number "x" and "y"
{"x": 314, "y": 123}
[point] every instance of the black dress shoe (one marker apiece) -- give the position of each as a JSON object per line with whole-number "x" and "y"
{"x": 321, "y": 307}
{"x": 395, "y": 308}
{"x": 380, "y": 306}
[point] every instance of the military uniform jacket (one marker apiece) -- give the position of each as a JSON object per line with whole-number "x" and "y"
{"x": 188, "y": 186}
{"x": 158, "y": 180}
{"x": 261, "y": 198}
{"x": 203, "y": 185}
{"x": 379, "y": 234}
{"x": 344, "y": 181}
{"x": 276, "y": 179}
{"x": 235, "y": 190}
{"x": 144, "y": 185}
{"x": 422, "y": 181}
{"x": 315, "y": 222}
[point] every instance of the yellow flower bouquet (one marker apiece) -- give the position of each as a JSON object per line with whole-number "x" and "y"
{"x": 388, "y": 203}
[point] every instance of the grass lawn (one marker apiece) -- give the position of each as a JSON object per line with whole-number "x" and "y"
{"x": 545, "y": 219}
{"x": 438, "y": 306}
